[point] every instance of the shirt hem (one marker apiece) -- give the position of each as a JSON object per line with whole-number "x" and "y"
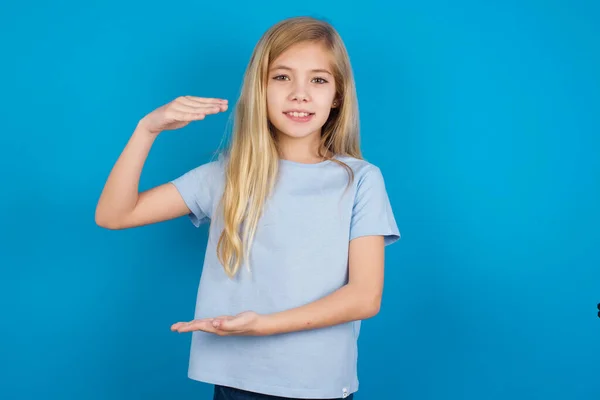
{"x": 280, "y": 391}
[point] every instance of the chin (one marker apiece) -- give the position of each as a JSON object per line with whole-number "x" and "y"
{"x": 296, "y": 133}
{"x": 297, "y": 130}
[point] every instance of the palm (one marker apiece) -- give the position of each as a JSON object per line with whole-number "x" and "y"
{"x": 245, "y": 323}
{"x": 175, "y": 125}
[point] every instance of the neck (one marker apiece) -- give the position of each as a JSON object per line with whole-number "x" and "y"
{"x": 304, "y": 150}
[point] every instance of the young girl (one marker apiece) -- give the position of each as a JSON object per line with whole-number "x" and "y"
{"x": 298, "y": 222}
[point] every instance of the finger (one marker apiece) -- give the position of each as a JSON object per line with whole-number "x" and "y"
{"x": 185, "y": 116}
{"x": 204, "y": 109}
{"x": 193, "y": 100}
{"x": 195, "y": 325}
{"x": 206, "y": 99}
{"x": 230, "y": 325}
{"x": 175, "y": 326}
{"x": 218, "y": 320}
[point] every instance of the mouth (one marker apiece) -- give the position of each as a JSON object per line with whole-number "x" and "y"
{"x": 299, "y": 116}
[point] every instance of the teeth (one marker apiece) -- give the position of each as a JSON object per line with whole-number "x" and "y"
{"x": 296, "y": 114}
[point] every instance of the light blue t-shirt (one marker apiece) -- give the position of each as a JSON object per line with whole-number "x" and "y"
{"x": 299, "y": 255}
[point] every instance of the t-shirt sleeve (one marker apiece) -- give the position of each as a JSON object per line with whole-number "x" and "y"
{"x": 196, "y": 187}
{"x": 372, "y": 212}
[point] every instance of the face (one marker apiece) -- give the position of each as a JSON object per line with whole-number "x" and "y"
{"x": 300, "y": 90}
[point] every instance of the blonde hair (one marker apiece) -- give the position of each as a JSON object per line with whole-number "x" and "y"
{"x": 253, "y": 156}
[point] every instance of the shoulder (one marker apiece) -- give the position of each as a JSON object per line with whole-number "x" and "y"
{"x": 361, "y": 168}
{"x": 212, "y": 168}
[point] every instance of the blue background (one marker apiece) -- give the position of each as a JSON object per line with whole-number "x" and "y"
{"x": 483, "y": 116}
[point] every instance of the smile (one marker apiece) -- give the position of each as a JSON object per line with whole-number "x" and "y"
{"x": 299, "y": 116}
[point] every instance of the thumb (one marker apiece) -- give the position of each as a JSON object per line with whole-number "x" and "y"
{"x": 230, "y": 324}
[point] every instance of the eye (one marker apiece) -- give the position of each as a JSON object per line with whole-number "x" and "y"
{"x": 318, "y": 80}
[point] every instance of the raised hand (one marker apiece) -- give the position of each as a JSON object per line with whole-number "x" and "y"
{"x": 180, "y": 112}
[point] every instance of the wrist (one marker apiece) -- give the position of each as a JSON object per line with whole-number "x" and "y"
{"x": 265, "y": 325}
{"x": 142, "y": 130}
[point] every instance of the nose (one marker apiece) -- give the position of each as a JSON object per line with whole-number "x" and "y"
{"x": 299, "y": 92}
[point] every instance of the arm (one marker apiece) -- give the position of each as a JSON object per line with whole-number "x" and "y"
{"x": 121, "y": 205}
{"x": 357, "y": 300}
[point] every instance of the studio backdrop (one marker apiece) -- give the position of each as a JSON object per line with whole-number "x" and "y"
{"x": 483, "y": 117}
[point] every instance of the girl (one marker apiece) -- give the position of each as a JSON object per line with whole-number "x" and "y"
{"x": 298, "y": 222}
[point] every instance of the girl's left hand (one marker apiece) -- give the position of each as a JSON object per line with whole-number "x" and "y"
{"x": 247, "y": 323}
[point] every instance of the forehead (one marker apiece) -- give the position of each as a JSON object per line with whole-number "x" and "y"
{"x": 304, "y": 56}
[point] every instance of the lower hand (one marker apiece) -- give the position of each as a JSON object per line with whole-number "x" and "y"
{"x": 247, "y": 323}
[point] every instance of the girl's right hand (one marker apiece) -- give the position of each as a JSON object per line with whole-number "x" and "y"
{"x": 180, "y": 112}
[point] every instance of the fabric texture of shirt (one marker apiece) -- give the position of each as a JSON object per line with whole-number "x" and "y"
{"x": 299, "y": 255}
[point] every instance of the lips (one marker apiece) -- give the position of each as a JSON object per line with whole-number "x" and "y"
{"x": 299, "y": 116}
{"x": 298, "y": 113}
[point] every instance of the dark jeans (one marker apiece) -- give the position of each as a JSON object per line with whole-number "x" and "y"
{"x": 228, "y": 393}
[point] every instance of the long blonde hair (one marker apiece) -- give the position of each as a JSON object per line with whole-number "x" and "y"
{"x": 253, "y": 156}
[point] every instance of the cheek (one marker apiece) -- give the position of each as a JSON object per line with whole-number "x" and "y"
{"x": 274, "y": 106}
{"x": 270, "y": 101}
{"x": 272, "y": 97}
{"x": 325, "y": 102}
{"x": 326, "y": 97}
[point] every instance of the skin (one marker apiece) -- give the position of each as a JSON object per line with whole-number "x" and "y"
{"x": 300, "y": 78}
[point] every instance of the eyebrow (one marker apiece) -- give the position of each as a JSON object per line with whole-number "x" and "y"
{"x": 291, "y": 69}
